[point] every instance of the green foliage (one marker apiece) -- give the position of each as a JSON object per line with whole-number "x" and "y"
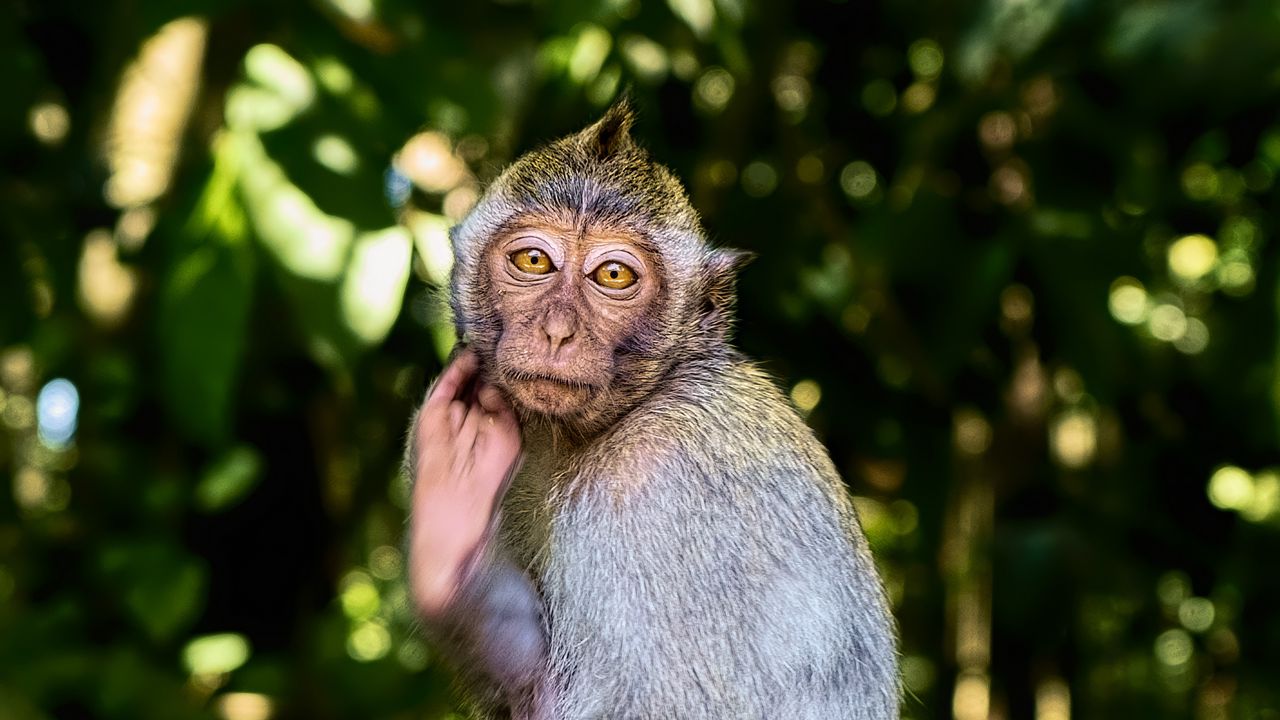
{"x": 1015, "y": 263}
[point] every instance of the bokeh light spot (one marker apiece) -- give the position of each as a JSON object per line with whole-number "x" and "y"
{"x": 244, "y": 706}
{"x": 1174, "y": 647}
{"x": 589, "y": 53}
{"x": 19, "y": 412}
{"x": 357, "y": 10}
{"x": 699, "y": 15}
{"x": 997, "y": 130}
{"x": 334, "y": 76}
{"x": 971, "y": 699}
{"x": 925, "y": 58}
{"x": 335, "y": 153}
{"x": 1230, "y": 488}
{"x": 713, "y": 90}
{"x": 1128, "y": 301}
{"x": 272, "y": 68}
{"x": 1195, "y": 338}
{"x": 1053, "y": 699}
{"x": 906, "y": 517}
{"x": 385, "y": 562}
{"x": 57, "y": 407}
{"x": 1200, "y": 181}
{"x": 809, "y": 169}
{"x": 215, "y": 654}
{"x": 806, "y": 395}
{"x": 155, "y": 99}
{"x": 369, "y": 641}
{"x": 1264, "y": 504}
{"x": 429, "y": 161}
{"x": 1235, "y": 275}
{"x": 1196, "y": 614}
{"x": 759, "y": 179}
{"x": 972, "y": 433}
{"x": 1074, "y": 438}
{"x": 431, "y": 240}
{"x": 647, "y": 58}
{"x": 31, "y": 488}
{"x": 1167, "y": 322}
{"x": 791, "y": 92}
{"x": 918, "y": 97}
{"x": 229, "y": 479}
{"x": 359, "y": 596}
{"x": 106, "y": 286}
{"x": 373, "y": 288}
{"x": 858, "y": 179}
{"x": 49, "y": 122}
{"x": 1191, "y": 257}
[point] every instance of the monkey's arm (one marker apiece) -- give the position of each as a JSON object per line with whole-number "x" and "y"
{"x": 464, "y": 444}
{"x": 493, "y": 630}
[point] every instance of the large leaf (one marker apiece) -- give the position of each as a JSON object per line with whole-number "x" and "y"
{"x": 204, "y": 309}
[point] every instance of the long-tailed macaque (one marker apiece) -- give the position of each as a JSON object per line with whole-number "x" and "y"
{"x": 616, "y": 514}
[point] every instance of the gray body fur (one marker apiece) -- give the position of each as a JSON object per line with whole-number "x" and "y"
{"x": 694, "y": 556}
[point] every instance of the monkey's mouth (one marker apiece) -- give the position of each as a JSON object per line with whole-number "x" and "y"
{"x": 549, "y": 394}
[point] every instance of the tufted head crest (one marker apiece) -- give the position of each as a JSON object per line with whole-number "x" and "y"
{"x": 611, "y": 134}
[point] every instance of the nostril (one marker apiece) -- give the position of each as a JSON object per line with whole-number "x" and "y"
{"x": 559, "y": 330}
{"x": 558, "y": 340}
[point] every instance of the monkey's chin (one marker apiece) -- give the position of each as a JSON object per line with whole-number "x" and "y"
{"x": 553, "y": 398}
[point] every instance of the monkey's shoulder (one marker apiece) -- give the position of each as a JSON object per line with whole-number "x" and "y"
{"x": 715, "y": 423}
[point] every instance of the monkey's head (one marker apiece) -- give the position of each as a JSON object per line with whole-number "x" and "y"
{"x": 583, "y": 276}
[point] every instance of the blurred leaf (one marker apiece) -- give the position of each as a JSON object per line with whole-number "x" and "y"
{"x": 204, "y": 309}
{"x": 229, "y": 479}
{"x": 216, "y": 654}
{"x": 161, "y": 586}
{"x": 373, "y": 286}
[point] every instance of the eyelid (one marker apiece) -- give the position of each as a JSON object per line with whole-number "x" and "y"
{"x": 514, "y": 259}
{"x": 522, "y": 242}
{"x": 593, "y": 261}
{"x": 515, "y": 244}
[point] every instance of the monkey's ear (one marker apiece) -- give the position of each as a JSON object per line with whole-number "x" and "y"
{"x": 613, "y": 131}
{"x": 722, "y": 267}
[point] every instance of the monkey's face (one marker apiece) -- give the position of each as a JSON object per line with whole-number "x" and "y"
{"x": 572, "y": 301}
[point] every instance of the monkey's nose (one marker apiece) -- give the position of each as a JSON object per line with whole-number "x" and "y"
{"x": 559, "y": 329}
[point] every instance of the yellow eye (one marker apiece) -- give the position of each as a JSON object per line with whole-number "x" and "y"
{"x": 532, "y": 261}
{"x": 614, "y": 275}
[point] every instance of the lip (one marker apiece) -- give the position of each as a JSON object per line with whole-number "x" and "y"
{"x": 521, "y": 376}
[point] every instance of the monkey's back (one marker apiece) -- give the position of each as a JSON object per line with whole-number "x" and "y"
{"x": 702, "y": 559}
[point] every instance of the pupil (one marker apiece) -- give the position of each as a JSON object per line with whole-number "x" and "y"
{"x": 534, "y": 259}
{"x": 613, "y": 274}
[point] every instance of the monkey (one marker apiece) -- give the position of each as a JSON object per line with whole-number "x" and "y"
{"x": 615, "y": 513}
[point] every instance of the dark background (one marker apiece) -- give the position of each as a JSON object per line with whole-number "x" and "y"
{"x": 1016, "y": 266}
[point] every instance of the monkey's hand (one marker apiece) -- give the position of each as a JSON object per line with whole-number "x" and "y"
{"x": 466, "y": 441}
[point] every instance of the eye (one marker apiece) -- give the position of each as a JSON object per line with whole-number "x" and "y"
{"x": 532, "y": 261}
{"x": 614, "y": 275}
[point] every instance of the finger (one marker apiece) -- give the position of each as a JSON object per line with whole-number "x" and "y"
{"x": 452, "y": 382}
{"x": 457, "y": 414}
{"x": 490, "y": 398}
{"x": 470, "y": 427}
{"x": 435, "y": 431}
{"x": 493, "y": 401}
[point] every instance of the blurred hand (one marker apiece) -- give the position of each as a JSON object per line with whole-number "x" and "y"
{"x": 467, "y": 443}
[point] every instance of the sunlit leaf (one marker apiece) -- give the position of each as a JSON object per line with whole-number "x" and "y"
{"x": 229, "y": 479}
{"x": 204, "y": 308}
